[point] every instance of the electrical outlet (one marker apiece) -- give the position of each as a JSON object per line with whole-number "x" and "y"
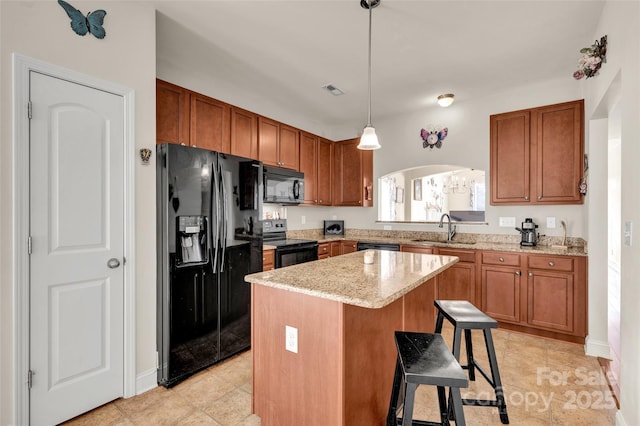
{"x": 387, "y": 227}
{"x": 334, "y": 217}
{"x": 507, "y": 222}
{"x": 551, "y": 222}
{"x": 303, "y": 219}
{"x": 628, "y": 233}
{"x": 291, "y": 339}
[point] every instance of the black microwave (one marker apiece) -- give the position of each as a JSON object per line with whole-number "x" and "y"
{"x": 283, "y": 186}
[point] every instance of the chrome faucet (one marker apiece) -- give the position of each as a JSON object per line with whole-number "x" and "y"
{"x": 450, "y": 232}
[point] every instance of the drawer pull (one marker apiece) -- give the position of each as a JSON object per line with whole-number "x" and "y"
{"x": 530, "y": 274}
{"x": 501, "y": 259}
{"x": 518, "y": 273}
{"x": 552, "y": 264}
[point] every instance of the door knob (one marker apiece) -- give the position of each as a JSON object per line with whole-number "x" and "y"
{"x": 113, "y": 263}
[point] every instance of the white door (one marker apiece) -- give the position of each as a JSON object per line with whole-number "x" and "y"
{"x": 76, "y": 266}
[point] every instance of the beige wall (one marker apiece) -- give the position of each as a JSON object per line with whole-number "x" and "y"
{"x": 126, "y": 56}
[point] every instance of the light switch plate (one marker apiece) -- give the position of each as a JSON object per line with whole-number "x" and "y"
{"x": 507, "y": 222}
{"x": 628, "y": 233}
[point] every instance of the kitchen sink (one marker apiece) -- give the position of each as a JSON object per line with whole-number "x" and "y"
{"x": 422, "y": 240}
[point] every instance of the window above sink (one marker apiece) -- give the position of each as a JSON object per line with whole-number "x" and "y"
{"x": 423, "y": 194}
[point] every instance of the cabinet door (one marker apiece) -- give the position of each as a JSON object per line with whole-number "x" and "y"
{"x": 323, "y": 187}
{"x": 309, "y": 166}
{"x": 347, "y": 181}
{"x": 210, "y": 124}
{"x": 289, "y": 147}
{"x": 550, "y": 300}
{"x": 367, "y": 178}
{"x": 510, "y": 158}
{"x": 172, "y": 113}
{"x": 557, "y": 133}
{"x": 244, "y": 133}
{"x": 268, "y": 259}
{"x": 268, "y": 138}
{"x": 457, "y": 282}
{"x": 348, "y": 247}
{"x": 336, "y": 248}
{"x": 324, "y": 250}
{"x": 501, "y": 293}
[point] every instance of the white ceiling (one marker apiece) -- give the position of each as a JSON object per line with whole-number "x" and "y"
{"x": 286, "y": 50}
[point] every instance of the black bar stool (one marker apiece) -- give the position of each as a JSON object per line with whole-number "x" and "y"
{"x": 425, "y": 359}
{"x": 464, "y": 316}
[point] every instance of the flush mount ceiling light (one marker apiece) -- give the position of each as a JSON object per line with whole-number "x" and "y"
{"x": 369, "y": 140}
{"x": 445, "y": 100}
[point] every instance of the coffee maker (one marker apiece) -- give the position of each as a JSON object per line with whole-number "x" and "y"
{"x": 528, "y": 233}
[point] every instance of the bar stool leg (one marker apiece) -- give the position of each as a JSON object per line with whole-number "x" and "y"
{"x": 495, "y": 374}
{"x": 439, "y": 322}
{"x": 456, "y": 401}
{"x": 407, "y": 411}
{"x": 470, "y": 363}
{"x": 444, "y": 409}
{"x": 395, "y": 393}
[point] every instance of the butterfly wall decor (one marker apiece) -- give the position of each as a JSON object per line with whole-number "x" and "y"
{"x": 81, "y": 25}
{"x": 433, "y": 137}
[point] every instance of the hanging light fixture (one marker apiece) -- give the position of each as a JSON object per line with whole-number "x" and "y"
{"x": 369, "y": 139}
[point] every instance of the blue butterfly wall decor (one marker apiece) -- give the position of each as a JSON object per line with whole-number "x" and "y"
{"x": 82, "y": 25}
{"x": 432, "y": 137}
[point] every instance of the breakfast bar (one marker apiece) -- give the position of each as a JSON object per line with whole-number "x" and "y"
{"x": 322, "y": 334}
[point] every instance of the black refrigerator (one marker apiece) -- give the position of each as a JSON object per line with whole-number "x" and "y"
{"x": 207, "y": 204}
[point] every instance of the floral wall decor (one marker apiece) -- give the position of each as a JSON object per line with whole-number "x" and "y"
{"x": 432, "y": 136}
{"x": 592, "y": 59}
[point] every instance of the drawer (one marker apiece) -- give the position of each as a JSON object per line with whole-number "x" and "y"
{"x": 497, "y": 258}
{"x": 416, "y": 249}
{"x": 464, "y": 255}
{"x": 551, "y": 263}
{"x": 323, "y": 256}
{"x": 323, "y": 248}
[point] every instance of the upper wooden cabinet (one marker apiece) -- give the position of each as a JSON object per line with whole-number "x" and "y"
{"x": 210, "y": 124}
{"x": 353, "y": 175}
{"x": 315, "y": 163}
{"x": 244, "y": 133}
{"x": 537, "y": 155}
{"x": 188, "y": 118}
{"x": 172, "y": 113}
{"x": 278, "y": 144}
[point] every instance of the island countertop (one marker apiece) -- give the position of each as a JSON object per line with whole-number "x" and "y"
{"x": 347, "y": 279}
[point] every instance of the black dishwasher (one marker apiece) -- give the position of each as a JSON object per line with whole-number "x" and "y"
{"x": 378, "y": 246}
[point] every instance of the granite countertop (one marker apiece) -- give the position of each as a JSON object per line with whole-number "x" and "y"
{"x": 348, "y": 280}
{"x": 466, "y": 244}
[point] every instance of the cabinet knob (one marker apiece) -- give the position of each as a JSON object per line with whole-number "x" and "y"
{"x": 518, "y": 273}
{"x": 526, "y": 198}
{"x": 182, "y": 143}
{"x": 552, "y": 264}
{"x": 320, "y": 200}
{"x": 501, "y": 259}
{"x": 539, "y": 197}
{"x": 530, "y": 274}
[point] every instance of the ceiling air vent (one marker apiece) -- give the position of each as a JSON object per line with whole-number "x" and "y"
{"x": 333, "y": 89}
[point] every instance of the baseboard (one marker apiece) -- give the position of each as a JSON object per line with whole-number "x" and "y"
{"x": 597, "y": 348}
{"x": 146, "y": 381}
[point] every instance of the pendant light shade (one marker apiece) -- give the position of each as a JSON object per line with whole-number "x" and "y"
{"x": 369, "y": 139}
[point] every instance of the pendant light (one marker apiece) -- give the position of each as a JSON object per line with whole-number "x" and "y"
{"x": 369, "y": 139}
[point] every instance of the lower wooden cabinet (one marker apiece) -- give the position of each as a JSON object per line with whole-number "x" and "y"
{"x": 324, "y": 250}
{"x": 268, "y": 259}
{"x": 416, "y": 249}
{"x": 459, "y": 281}
{"x": 336, "y": 248}
{"x": 540, "y": 293}
{"x": 347, "y": 246}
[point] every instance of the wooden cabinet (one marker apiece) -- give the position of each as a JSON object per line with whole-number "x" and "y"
{"x": 278, "y": 144}
{"x": 210, "y": 124}
{"x": 353, "y": 175}
{"x": 459, "y": 281}
{"x": 244, "y": 133}
{"x": 347, "y": 246}
{"x": 543, "y": 294}
{"x": 172, "y": 113}
{"x": 188, "y": 118}
{"x": 268, "y": 259}
{"x": 336, "y": 248}
{"x": 315, "y": 163}
{"x": 501, "y": 286}
{"x": 537, "y": 155}
{"x": 324, "y": 250}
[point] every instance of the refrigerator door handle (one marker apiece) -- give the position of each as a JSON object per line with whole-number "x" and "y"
{"x": 215, "y": 223}
{"x": 223, "y": 220}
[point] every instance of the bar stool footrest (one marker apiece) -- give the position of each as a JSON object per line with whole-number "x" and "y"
{"x": 481, "y": 370}
{"x": 419, "y": 423}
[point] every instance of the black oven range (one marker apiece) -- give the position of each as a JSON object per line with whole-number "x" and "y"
{"x": 288, "y": 251}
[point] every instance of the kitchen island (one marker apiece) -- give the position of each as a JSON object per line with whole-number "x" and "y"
{"x": 336, "y": 367}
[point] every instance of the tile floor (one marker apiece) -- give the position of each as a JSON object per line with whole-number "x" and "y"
{"x": 546, "y": 382}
